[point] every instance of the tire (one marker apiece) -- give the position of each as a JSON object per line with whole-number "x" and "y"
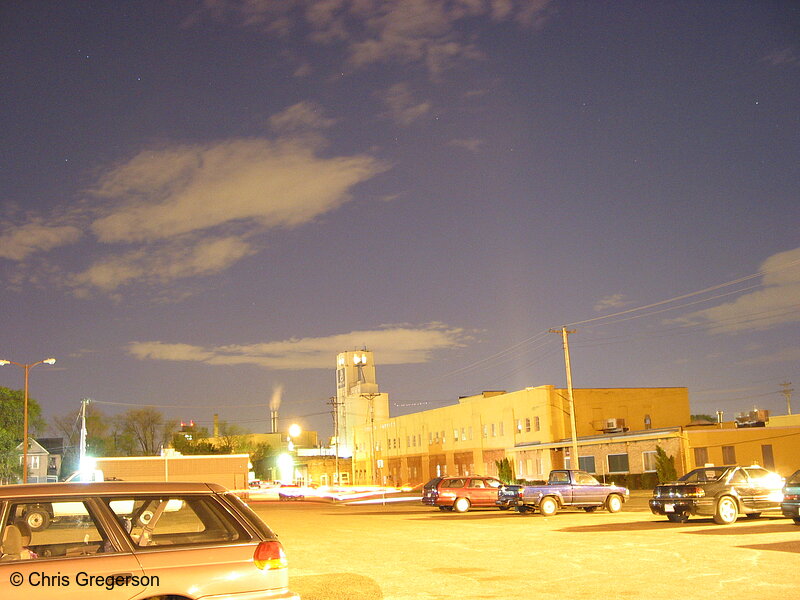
{"x": 614, "y": 503}
{"x": 678, "y": 517}
{"x": 590, "y": 508}
{"x": 37, "y": 519}
{"x": 727, "y": 511}
{"x": 796, "y": 520}
{"x": 461, "y": 505}
{"x": 548, "y": 506}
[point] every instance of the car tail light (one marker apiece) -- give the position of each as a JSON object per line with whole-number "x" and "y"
{"x": 791, "y": 497}
{"x": 270, "y": 555}
{"x": 694, "y": 492}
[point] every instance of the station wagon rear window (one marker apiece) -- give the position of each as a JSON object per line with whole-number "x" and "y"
{"x": 153, "y": 521}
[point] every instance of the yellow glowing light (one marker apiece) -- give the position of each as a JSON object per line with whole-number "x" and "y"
{"x": 295, "y": 430}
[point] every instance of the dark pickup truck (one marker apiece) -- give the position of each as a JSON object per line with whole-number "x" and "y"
{"x": 564, "y": 488}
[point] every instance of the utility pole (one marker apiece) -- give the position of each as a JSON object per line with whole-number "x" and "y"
{"x": 335, "y": 413}
{"x": 82, "y": 447}
{"x": 371, "y": 416}
{"x": 787, "y": 392}
{"x": 575, "y": 462}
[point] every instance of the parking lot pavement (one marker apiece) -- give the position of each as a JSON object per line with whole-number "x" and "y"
{"x": 408, "y": 551}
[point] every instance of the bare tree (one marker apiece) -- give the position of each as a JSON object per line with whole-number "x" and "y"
{"x": 142, "y": 432}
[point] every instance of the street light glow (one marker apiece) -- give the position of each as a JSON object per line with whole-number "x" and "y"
{"x": 295, "y": 430}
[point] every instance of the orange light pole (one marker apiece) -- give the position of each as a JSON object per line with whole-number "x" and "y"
{"x": 48, "y": 361}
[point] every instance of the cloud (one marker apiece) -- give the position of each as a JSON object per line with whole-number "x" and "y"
{"x": 785, "y": 56}
{"x": 612, "y": 301}
{"x": 426, "y": 32}
{"x": 302, "y": 116}
{"x": 163, "y": 193}
{"x": 403, "y": 109}
{"x": 399, "y": 344}
{"x": 471, "y": 144}
{"x": 776, "y": 304}
{"x": 19, "y": 242}
{"x": 154, "y": 266}
{"x": 791, "y": 355}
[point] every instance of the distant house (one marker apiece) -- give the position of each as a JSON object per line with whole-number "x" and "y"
{"x": 44, "y": 459}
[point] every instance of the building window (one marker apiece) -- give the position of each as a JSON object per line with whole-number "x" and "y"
{"x": 455, "y": 435}
{"x": 729, "y": 455}
{"x": 649, "y": 461}
{"x": 618, "y": 463}
{"x": 536, "y": 423}
{"x": 430, "y": 438}
{"x": 463, "y": 435}
{"x": 586, "y": 463}
{"x": 485, "y": 431}
{"x": 494, "y": 434}
{"x": 700, "y": 457}
{"x": 470, "y": 433}
{"x": 527, "y": 424}
{"x": 443, "y": 437}
{"x": 502, "y": 428}
{"x": 648, "y": 424}
{"x": 519, "y": 425}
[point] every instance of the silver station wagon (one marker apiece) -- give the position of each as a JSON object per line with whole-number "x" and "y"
{"x": 138, "y": 540}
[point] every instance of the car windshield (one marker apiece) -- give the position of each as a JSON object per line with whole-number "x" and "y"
{"x": 704, "y": 475}
{"x": 794, "y": 478}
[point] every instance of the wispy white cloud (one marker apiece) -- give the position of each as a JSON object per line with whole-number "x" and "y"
{"x": 164, "y": 193}
{"x": 612, "y": 301}
{"x": 784, "y": 56}
{"x": 400, "y": 344}
{"x": 777, "y": 303}
{"x": 403, "y": 109}
{"x": 19, "y": 242}
{"x": 785, "y": 355}
{"x": 470, "y": 144}
{"x": 302, "y": 116}
{"x": 425, "y": 32}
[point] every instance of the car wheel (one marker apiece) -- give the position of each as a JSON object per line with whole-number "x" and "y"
{"x": 37, "y": 519}
{"x": 678, "y": 517}
{"x": 753, "y": 515}
{"x": 796, "y": 520}
{"x": 614, "y": 503}
{"x": 727, "y": 511}
{"x": 548, "y": 506}
{"x": 461, "y": 505}
{"x": 590, "y": 508}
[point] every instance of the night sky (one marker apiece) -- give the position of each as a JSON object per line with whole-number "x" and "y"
{"x": 203, "y": 202}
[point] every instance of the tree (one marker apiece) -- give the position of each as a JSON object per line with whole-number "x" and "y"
{"x": 12, "y": 404}
{"x": 665, "y": 466}
{"x": 708, "y": 418}
{"x": 10, "y": 468}
{"x": 505, "y": 470}
{"x": 141, "y": 432}
{"x": 231, "y": 438}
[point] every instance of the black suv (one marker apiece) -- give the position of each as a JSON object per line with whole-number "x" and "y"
{"x": 719, "y": 492}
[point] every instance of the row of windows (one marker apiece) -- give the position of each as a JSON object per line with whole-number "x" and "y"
{"x": 464, "y": 434}
{"x": 729, "y": 456}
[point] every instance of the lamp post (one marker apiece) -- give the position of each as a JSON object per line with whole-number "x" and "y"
{"x": 46, "y": 361}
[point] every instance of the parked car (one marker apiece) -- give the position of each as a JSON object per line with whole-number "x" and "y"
{"x": 459, "y": 494}
{"x": 790, "y": 507}
{"x": 136, "y": 539}
{"x": 719, "y": 492}
{"x": 565, "y": 487}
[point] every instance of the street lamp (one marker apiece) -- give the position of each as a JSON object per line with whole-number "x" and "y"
{"x": 46, "y": 361}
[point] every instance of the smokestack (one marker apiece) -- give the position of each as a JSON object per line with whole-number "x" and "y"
{"x": 274, "y": 405}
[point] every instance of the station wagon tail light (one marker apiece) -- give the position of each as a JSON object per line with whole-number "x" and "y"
{"x": 791, "y": 497}
{"x": 269, "y": 556}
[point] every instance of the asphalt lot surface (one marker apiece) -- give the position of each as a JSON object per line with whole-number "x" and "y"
{"x": 404, "y": 551}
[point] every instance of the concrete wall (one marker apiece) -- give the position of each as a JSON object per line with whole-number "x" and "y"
{"x": 229, "y": 470}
